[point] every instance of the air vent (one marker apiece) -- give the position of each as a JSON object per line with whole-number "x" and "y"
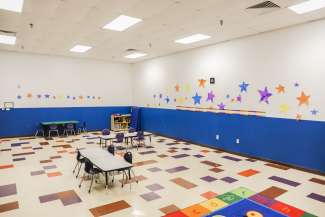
{"x": 266, "y": 4}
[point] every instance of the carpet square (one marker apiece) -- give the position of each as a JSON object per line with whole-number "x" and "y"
{"x": 150, "y": 196}
{"x": 155, "y": 187}
{"x": 208, "y": 178}
{"x": 248, "y": 173}
{"x": 8, "y": 190}
{"x": 229, "y": 179}
{"x": 209, "y": 195}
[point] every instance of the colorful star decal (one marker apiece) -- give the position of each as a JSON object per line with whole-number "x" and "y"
{"x": 221, "y": 106}
{"x": 68, "y": 97}
{"x": 160, "y": 95}
{"x": 296, "y": 84}
{"x": 39, "y": 96}
{"x": 92, "y": 97}
{"x": 29, "y": 95}
{"x": 210, "y": 96}
{"x": 227, "y": 96}
{"x": 154, "y": 96}
{"x": 73, "y": 98}
{"x": 54, "y": 97}
{"x": 81, "y": 97}
{"x": 167, "y": 99}
{"x": 303, "y": 99}
{"x": 197, "y": 99}
{"x": 298, "y": 117}
{"x": 239, "y": 98}
{"x": 19, "y": 97}
{"x": 280, "y": 89}
{"x": 243, "y": 86}
{"x": 202, "y": 83}
{"x": 47, "y": 96}
{"x": 88, "y": 97}
{"x": 265, "y": 95}
{"x": 314, "y": 112}
{"x": 177, "y": 88}
{"x": 284, "y": 108}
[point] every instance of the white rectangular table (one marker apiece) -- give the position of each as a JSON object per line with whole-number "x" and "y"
{"x": 105, "y": 161}
{"x": 127, "y": 136}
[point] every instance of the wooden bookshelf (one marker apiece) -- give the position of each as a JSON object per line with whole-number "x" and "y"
{"x": 120, "y": 122}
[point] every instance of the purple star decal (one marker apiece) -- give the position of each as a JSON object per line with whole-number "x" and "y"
{"x": 73, "y": 98}
{"x": 39, "y": 96}
{"x": 92, "y": 97}
{"x": 19, "y": 97}
{"x": 160, "y": 95}
{"x": 265, "y": 95}
{"x": 221, "y": 106}
{"x": 154, "y": 96}
{"x": 314, "y": 112}
{"x": 296, "y": 84}
{"x": 210, "y": 96}
{"x": 238, "y": 98}
{"x": 47, "y": 96}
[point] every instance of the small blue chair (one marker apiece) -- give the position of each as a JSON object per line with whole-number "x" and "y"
{"x": 39, "y": 129}
{"x": 69, "y": 128}
{"x": 119, "y": 139}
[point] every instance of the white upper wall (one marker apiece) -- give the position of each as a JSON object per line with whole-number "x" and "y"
{"x": 287, "y": 56}
{"x": 91, "y": 82}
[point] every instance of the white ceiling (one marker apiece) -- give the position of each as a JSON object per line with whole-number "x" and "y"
{"x": 58, "y": 25}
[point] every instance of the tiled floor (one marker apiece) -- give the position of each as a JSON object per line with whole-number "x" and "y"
{"x": 175, "y": 178}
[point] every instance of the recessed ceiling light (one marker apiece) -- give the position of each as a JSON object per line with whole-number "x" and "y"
{"x": 80, "y": 48}
{"x": 12, "y": 5}
{"x": 121, "y": 23}
{"x": 308, "y": 6}
{"x": 192, "y": 39}
{"x": 7, "y": 39}
{"x": 135, "y": 55}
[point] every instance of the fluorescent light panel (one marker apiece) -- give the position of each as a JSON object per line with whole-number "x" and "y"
{"x": 192, "y": 39}
{"x": 7, "y": 39}
{"x": 80, "y": 48}
{"x": 308, "y": 6}
{"x": 135, "y": 55}
{"x": 12, "y": 5}
{"x": 121, "y": 23}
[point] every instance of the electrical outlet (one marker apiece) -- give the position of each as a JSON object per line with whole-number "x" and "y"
{"x": 217, "y": 137}
{"x": 237, "y": 141}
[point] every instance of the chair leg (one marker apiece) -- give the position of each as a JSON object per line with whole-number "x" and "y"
{"x": 136, "y": 180}
{"x": 75, "y": 167}
{"x": 79, "y": 170}
{"x": 36, "y": 133}
{"x": 91, "y": 183}
{"x": 82, "y": 179}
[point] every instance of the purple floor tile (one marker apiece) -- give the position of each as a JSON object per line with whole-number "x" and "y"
{"x": 90, "y": 143}
{"x": 69, "y": 197}
{"x": 36, "y": 173}
{"x": 48, "y": 198}
{"x": 7, "y": 190}
{"x": 186, "y": 149}
{"x": 17, "y": 144}
{"x": 154, "y": 187}
{"x": 49, "y": 167}
{"x": 198, "y": 156}
{"x": 150, "y": 196}
{"x": 208, "y": 178}
{"x": 19, "y": 159}
{"x": 284, "y": 181}
{"x": 147, "y": 152}
{"x": 180, "y": 156}
{"x": 229, "y": 179}
{"x": 317, "y": 197}
{"x": 154, "y": 169}
{"x": 231, "y": 158}
{"x": 176, "y": 169}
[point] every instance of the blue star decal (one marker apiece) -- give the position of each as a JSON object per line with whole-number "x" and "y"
{"x": 243, "y": 86}
{"x": 197, "y": 99}
{"x": 167, "y": 99}
{"x": 314, "y": 112}
{"x": 47, "y": 96}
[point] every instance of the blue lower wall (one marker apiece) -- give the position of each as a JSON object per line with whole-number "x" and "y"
{"x": 23, "y": 121}
{"x": 284, "y": 140}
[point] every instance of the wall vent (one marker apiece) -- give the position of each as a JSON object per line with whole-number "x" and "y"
{"x": 263, "y": 5}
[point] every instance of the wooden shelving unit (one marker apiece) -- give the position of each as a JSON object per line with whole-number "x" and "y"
{"x": 120, "y": 122}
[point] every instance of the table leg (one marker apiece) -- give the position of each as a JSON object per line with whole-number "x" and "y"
{"x": 100, "y": 142}
{"x": 106, "y": 180}
{"x": 150, "y": 139}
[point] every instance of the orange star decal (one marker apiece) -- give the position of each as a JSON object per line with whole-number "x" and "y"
{"x": 303, "y": 99}
{"x": 298, "y": 117}
{"x": 29, "y": 95}
{"x": 177, "y": 87}
{"x": 80, "y": 97}
{"x": 280, "y": 89}
{"x": 202, "y": 82}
